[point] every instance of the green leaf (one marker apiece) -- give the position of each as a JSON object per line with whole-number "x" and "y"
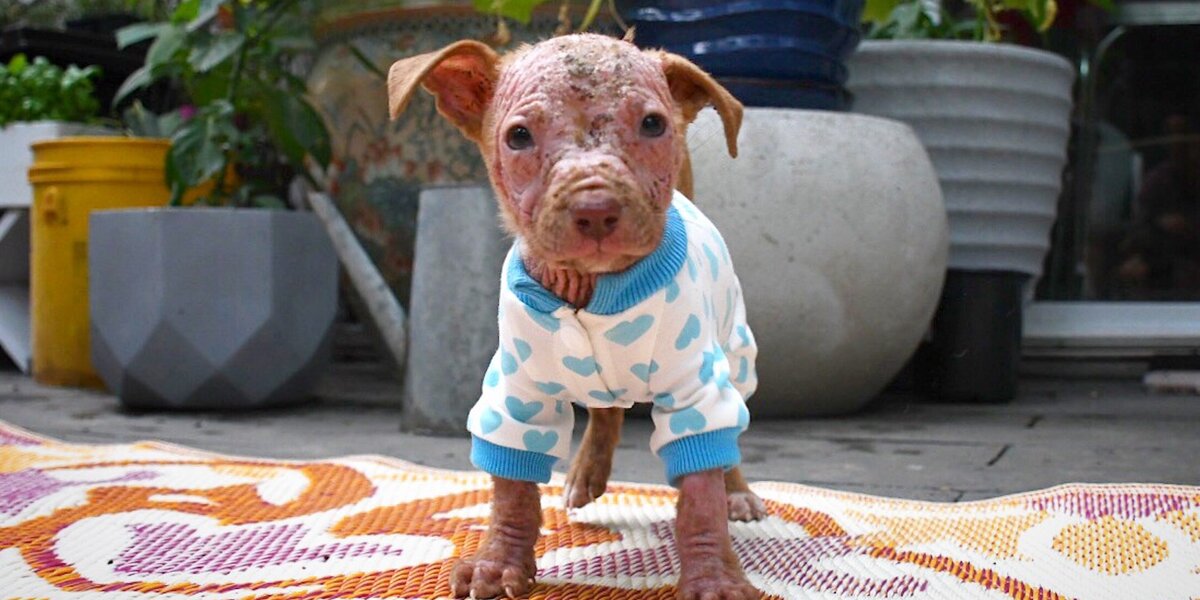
{"x": 205, "y": 13}
{"x": 878, "y": 11}
{"x": 17, "y": 64}
{"x": 162, "y": 51}
{"x": 296, "y": 129}
{"x": 198, "y": 149}
{"x": 137, "y": 80}
{"x": 520, "y": 10}
{"x": 185, "y": 11}
{"x": 132, "y": 34}
{"x": 204, "y": 58}
{"x": 932, "y": 10}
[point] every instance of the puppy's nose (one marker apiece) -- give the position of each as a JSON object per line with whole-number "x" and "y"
{"x": 597, "y": 219}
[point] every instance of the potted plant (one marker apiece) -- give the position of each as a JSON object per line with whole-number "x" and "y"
{"x": 77, "y": 32}
{"x": 995, "y": 118}
{"x": 230, "y": 302}
{"x": 38, "y": 101}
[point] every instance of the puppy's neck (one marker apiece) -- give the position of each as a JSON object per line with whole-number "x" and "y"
{"x": 572, "y": 286}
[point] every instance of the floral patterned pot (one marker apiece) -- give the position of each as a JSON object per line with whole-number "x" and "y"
{"x": 380, "y": 165}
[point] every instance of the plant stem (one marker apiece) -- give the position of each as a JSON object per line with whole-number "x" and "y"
{"x": 239, "y": 62}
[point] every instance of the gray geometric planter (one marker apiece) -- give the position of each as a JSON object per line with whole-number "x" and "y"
{"x": 995, "y": 120}
{"x": 210, "y": 308}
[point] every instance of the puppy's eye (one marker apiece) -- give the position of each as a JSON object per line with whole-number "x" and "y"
{"x": 519, "y": 138}
{"x": 653, "y": 125}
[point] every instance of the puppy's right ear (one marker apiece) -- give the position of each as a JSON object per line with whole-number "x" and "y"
{"x": 462, "y": 76}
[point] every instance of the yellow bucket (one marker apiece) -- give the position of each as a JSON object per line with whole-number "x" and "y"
{"x": 71, "y": 177}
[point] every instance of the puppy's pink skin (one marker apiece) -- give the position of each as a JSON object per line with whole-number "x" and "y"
{"x": 583, "y": 98}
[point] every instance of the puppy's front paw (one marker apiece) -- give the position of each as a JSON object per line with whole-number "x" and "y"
{"x": 491, "y": 578}
{"x": 746, "y": 506}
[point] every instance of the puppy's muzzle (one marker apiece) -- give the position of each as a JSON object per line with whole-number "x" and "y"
{"x": 596, "y": 218}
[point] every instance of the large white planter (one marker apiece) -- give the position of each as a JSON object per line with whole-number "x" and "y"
{"x": 995, "y": 120}
{"x": 838, "y": 234}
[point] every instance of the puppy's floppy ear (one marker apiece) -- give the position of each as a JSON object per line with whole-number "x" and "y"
{"x": 693, "y": 89}
{"x": 462, "y": 76}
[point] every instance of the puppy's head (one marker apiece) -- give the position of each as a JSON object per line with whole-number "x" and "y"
{"x": 583, "y": 136}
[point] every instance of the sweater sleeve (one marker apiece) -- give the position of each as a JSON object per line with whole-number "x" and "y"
{"x": 521, "y": 425}
{"x": 698, "y": 411}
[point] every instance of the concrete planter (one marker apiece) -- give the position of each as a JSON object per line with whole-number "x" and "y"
{"x": 837, "y": 229}
{"x": 210, "y": 308}
{"x": 460, "y": 251}
{"x": 995, "y": 119}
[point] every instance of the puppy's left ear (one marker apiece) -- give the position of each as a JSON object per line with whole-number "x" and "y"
{"x": 462, "y": 76}
{"x": 693, "y": 89}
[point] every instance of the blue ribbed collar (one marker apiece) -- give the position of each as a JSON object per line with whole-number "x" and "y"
{"x": 615, "y": 292}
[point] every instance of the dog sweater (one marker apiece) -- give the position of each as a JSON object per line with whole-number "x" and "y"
{"x": 670, "y": 330}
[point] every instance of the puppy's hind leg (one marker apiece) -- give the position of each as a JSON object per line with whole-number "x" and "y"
{"x": 588, "y": 476}
{"x": 744, "y": 505}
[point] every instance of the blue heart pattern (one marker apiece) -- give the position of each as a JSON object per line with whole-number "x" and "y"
{"x": 688, "y": 419}
{"x": 691, "y": 265}
{"x": 706, "y": 367}
{"x": 609, "y": 396}
{"x": 549, "y": 388}
{"x": 490, "y": 421}
{"x": 743, "y": 370}
{"x": 539, "y": 441}
{"x": 628, "y": 332}
{"x": 522, "y": 411}
{"x": 721, "y": 244}
{"x": 508, "y": 363}
{"x": 713, "y": 266}
{"x": 672, "y": 291}
{"x": 644, "y": 370}
{"x": 545, "y": 320}
{"x": 581, "y": 366}
{"x": 665, "y": 400}
{"x": 690, "y": 331}
{"x": 491, "y": 378}
{"x": 523, "y": 349}
{"x": 744, "y": 334}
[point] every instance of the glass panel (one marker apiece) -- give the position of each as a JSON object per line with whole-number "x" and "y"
{"x": 1141, "y": 228}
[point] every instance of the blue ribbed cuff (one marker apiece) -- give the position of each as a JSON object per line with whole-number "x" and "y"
{"x": 701, "y": 452}
{"x": 510, "y": 463}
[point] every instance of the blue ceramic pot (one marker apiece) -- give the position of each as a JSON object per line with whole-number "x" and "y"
{"x": 803, "y": 42}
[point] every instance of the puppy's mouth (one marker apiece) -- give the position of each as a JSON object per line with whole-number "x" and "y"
{"x": 594, "y": 225}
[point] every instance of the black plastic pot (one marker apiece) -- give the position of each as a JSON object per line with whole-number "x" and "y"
{"x": 975, "y": 350}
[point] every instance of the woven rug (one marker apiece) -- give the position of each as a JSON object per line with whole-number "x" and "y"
{"x": 151, "y": 520}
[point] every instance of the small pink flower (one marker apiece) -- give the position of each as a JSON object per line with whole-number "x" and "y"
{"x": 186, "y": 112}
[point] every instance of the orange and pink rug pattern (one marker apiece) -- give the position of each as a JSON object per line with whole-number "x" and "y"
{"x": 151, "y": 520}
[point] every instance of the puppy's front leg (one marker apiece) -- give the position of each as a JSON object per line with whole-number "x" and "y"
{"x": 504, "y": 564}
{"x": 709, "y": 569}
{"x": 589, "y": 472}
